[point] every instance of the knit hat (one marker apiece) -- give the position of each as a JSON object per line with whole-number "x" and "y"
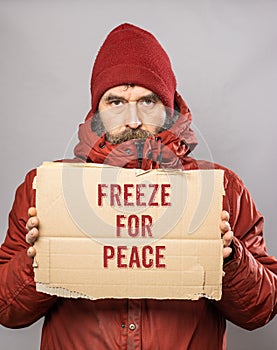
{"x": 131, "y": 55}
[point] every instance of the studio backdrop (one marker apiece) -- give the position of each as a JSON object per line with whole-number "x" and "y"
{"x": 224, "y": 55}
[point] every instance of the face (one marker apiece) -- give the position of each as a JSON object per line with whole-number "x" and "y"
{"x": 129, "y": 112}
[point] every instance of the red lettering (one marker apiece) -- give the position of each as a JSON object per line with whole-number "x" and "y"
{"x": 136, "y": 225}
{"x": 145, "y": 263}
{"x": 140, "y": 194}
{"x": 115, "y": 191}
{"x": 120, "y": 256}
{"x": 107, "y": 255}
{"x": 149, "y": 256}
{"x": 128, "y": 194}
{"x": 133, "y": 225}
{"x": 146, "y": 223}
{"x": 101, "y": 194}
{"x": 119, "y": 224}
{"x": 134, "y": 258}
{"x": 165, "y": 194}
{"x": 159, "y": 256}
{"x": 151, "y": 202}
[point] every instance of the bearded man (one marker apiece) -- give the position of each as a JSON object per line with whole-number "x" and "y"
{"x": 138, "y": 120}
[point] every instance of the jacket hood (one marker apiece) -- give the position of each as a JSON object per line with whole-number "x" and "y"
{"x": 166, "y": 149}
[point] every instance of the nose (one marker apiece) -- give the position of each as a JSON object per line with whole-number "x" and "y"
{"x": 132, "y": 116}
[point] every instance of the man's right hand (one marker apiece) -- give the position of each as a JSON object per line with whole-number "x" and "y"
{"x": 32, "y": 227}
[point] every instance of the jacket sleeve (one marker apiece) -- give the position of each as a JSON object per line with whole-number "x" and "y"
{"x": 249, "y": 297}
{"x": 20, "y": 304}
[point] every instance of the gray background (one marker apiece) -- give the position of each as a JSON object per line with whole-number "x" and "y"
{"x": 224, "y": 54}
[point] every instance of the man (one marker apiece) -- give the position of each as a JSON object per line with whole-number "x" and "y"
{"x": 138, "y": 120}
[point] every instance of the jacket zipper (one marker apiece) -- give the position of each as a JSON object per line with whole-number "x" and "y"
{"x": 139, "y": 145}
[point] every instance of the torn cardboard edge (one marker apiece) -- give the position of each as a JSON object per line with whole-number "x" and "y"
{"x": 102, "y": 268}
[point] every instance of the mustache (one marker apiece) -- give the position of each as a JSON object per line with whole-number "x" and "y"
{"x": 128, "y": 134}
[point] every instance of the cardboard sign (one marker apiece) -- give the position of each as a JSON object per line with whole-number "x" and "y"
{"x": 108, "y": 232}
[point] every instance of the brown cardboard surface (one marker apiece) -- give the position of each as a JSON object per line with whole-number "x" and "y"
{"x": 108, "y": 232}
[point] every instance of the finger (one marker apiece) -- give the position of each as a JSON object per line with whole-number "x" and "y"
{"x": 227, "y": 238}
{"x": 31, "y": 252}
{"x": 32, "y": 222}
{"x": 225, "y": 226}
{"x": 227, "y": 251}
{"x": 225, "y": 216}
{"x": 32, "y": 235}
{"x": 32, "y": 211}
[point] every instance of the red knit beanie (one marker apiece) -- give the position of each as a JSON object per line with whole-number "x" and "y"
{"x": 131, "y": 55}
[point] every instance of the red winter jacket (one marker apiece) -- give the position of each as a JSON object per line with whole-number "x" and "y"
{"x": 249, "y": 286}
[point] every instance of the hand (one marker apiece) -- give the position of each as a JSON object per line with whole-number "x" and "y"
{"x": 32, "y": 227}
{"x": 227, "y": 234}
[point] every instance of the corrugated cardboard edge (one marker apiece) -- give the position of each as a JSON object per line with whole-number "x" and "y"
{"x": 62, "y": 292}
{"x": 65, "y": 293}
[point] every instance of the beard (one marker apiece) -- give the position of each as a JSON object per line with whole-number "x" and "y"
{"x": 129, "y": 133}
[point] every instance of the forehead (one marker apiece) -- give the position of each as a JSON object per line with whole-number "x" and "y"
{"x": 128, "y": 92}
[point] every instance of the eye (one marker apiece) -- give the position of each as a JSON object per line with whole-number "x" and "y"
{"x": 147, "y": 102}
{"x": 116, "y": 103}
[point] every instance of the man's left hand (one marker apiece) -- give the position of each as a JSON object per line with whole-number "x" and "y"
{"x": 226, "y": 233}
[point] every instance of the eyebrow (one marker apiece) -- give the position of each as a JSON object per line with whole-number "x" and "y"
{"x": 112, "y": 97}
{"x": 151, "y": 96}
